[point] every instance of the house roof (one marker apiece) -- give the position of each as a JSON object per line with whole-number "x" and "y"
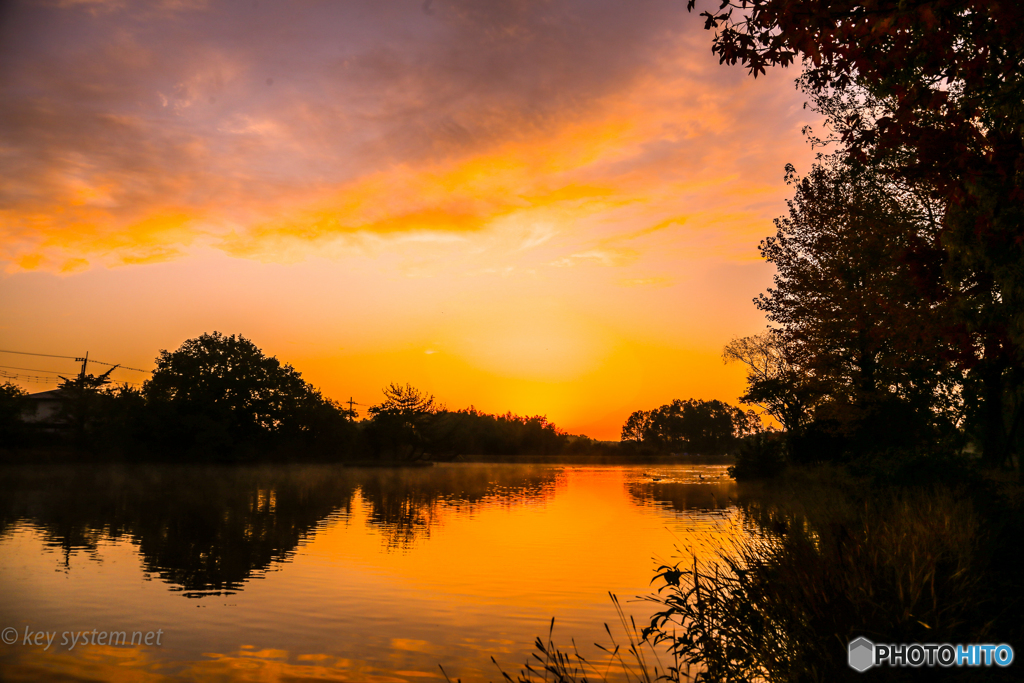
{"x": 51, "y": 395}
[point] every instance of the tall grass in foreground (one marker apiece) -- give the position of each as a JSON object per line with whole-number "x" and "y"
{"x": 637, "y": 661}
{"x": 784, "y": 606}
{"x": 838, "y": 561}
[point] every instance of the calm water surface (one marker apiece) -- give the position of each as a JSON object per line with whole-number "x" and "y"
{"x": 327, "y": 573}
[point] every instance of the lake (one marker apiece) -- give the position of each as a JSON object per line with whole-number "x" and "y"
{"x": 294, "y": 572}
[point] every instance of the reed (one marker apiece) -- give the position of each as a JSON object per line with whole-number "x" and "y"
{"x": 635, "y": 661}
{"x": 782, "y": 605}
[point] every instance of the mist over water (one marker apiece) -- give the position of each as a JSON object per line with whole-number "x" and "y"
{"x": 282, "y": 572}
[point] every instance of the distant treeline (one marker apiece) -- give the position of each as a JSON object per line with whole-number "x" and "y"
{"x": 220, "y": 397}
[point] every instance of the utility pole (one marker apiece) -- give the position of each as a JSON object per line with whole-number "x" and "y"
{"x": 351, "y": 402}
{"x": 84, "y": 362}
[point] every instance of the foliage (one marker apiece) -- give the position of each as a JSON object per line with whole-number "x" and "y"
{"x": 638, "y": 425}
{"x": 405, "y": 400}
{"x": 845, "y": 292}
{"x": 831, "y": 557}
{"x": 12, "y": 401}
{"x": 85, "y": 384}
{"x": 220, "y": 397}
{"x": 400, "y": 425}
{"x": 947, "y": 71}
{"x": 860, "y": 312}
{"x": 760, "y": 456}
{"x": 872, "y": 348}
{"x": 581, "y": 444}
{"x": 929, "y": 94}
{"x": 12, "y": 405}
{"x": 776, "y": 381}
{"x": 705, "y": 427}
{"x": 80, "y": 399}
{"x": 469, "y": 431}
{"x": 219, "y": 393}
{"x": 409, "y": 424}
{"x": 119, "y": 420}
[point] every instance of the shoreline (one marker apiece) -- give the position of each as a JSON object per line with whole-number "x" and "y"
{"x": 65, "y": 456}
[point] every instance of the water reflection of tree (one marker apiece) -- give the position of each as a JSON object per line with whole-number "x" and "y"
{"x": 686, "y": 496}
{"x": 210, "y": 529}
{"x": 203, "y": 529}
{"x": 406, "y": 503}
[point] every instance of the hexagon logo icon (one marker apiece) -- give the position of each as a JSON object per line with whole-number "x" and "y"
{"x": 862, "y": 654}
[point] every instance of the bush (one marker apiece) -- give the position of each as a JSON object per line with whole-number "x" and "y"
{"x": 12, "y": 404}
{"x": 760, "y": 456}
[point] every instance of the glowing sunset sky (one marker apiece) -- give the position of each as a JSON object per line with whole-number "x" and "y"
{"x": 543, "y": 206}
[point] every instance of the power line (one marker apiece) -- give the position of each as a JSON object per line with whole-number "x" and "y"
{"x": 74, "y": 358}
{"x": 118, "y": 365}
{"x": 38, "y": 379}
{"x": 28, "y": 353}
{"x": 52, "y": 372}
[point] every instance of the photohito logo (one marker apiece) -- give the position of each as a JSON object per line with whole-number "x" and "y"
{"x": 863, "y": 654}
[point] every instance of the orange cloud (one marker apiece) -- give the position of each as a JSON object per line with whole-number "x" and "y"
{"x": 649, "y": 146}
{"x": 30, "y": 261}
{"x": 74, "y": 265}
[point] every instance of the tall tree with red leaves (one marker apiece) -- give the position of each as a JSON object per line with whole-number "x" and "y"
{"x": 933, "y": 92}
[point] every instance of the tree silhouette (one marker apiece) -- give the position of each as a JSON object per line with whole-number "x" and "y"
{"x": 693, "y": 426}
{"x": 400, "y": 425}
{"x": 776, "y": 381}
{"x": 80, "y": 398}
{"x": 406, "y": 400}
{"x": 12, "y": 405}
{"x": 930, "y": 93}
{"x": 637, "y": 426}
{"x": 218, "y": 392}
{"x": 850, "y": 306}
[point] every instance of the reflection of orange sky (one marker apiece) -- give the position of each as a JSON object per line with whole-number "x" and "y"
{"x": 582, "y": 269}
{"x": 537, "y": 548}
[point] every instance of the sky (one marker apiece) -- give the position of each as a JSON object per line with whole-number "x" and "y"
{"x": 547, "y": 207}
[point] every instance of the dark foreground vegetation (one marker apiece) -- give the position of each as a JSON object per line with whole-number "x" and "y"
{"x": 837, "y": 557}
{"x": 894, "y": 362}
